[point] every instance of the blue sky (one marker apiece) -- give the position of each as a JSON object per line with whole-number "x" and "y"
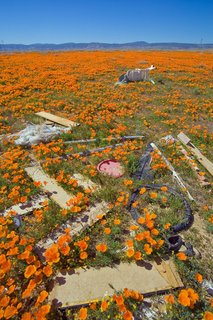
{"x": 113, "y": 21}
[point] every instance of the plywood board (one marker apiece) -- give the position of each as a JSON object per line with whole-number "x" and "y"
{"x": 62, "y": 121}
{"x": 81, "y": 286}
{"x": 57, "y": 193}
{"x": 27, "y": 207}
{"x": 76, "y": 224}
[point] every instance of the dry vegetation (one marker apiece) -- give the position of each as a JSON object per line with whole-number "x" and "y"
{"x": 80, "y": 86}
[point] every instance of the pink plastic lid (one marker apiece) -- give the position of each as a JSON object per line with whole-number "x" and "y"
{"x": 111, "y": 167}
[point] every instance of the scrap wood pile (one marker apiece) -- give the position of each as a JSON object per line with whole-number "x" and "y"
{"x": 119, "y": 205}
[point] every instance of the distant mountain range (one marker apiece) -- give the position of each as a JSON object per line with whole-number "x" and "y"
{"x": 139, "y": 45}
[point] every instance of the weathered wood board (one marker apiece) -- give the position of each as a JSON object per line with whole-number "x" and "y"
{"x": 27, "y": 207}
{"x": 76, "y": 224}
{"x": 81, "y": 286}
{"x": 62, "y": 121}
{"x": 201, "y": 158}
{"x": 56, "y": 192}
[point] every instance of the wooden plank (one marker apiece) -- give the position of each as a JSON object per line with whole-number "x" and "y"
{"x": 92, "y": 284}
{"x": 202, "y": 179}
{"x": 76, "y": 224}
{"x": 27, "y": 207}
{"x": 201, "y": 158}
{"x": 62, "y": 121}
{"x": 57, "y": 193}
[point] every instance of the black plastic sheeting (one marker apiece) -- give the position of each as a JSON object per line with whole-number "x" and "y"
{"x": 143, "y": 171}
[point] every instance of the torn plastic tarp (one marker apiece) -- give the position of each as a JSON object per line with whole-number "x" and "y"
{"x": 34, "y": 134}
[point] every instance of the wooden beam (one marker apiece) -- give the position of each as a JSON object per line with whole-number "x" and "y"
{"x": 62, "y": 121}
{"x": 201, "y": 158}
{"x": 27, "y": 207}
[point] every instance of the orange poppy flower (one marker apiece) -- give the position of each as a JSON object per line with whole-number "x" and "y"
{"x": 119, "y": 300}
{"x": 117, "y": 221}
{"x": 208, "y": 315}
{"x": 83, "y": 314}
{"x": 141, "y": 220}
{"x": 52, "y": 255}
{"x": 155, "y": 232}
{"x": 199, "y": 277}
{"x": 101, "y": 247}
{"x": 83, "y": 245}
{"x": 29, "y": 271}
{"x": 142, "y": 190}
{"x": 181, "y": 256}
{"x": 164, "y": 188}
{"x": 130, "y": 252}
{"x": 137, "y": 255}
{"x": 107, "y": 230}
{"x": 27, "y": 316}
{"x": 148, "y": 249}
{"x": 93, "y": 306}
{"x": 128, "y": 315}
{"x": 104, "y": 305}
{"x": 139, "y": 236}
{"x": 167, "y": 226}
{"x": 83, "y": 255}
{"x": 153, "y": 195}
{"x": 170, "y": 298}
{"x": 10, "y": 311}
{"x": 47, "y": 270}
{"x": 42, "y": 296}
{"x": 133, "y": 227}
{"x": 4, "y": 301}
{"x": 43, "y": 311}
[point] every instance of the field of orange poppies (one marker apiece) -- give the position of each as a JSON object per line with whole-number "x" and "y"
{"x": 80, "y": 86}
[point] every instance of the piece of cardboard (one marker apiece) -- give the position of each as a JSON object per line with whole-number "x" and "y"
{"x": 82, "y": 286}
{"x": 62, "y": 121}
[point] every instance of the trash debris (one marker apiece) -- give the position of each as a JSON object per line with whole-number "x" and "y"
{"x": 91, "y": 284}
{"x": 17, "y": 220}
{"x": 111, "y": 167}
{"x": 34, "y": 134}
{"x": 143, "y": 171}
{"x": 124, "y": 138}
{"x": 135, "y": 75}
{"x": 188, "y": 218}
{"x": 208, "y": 285}
{"x": 62, "y": 121}
{"x": 201, "y": 158}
